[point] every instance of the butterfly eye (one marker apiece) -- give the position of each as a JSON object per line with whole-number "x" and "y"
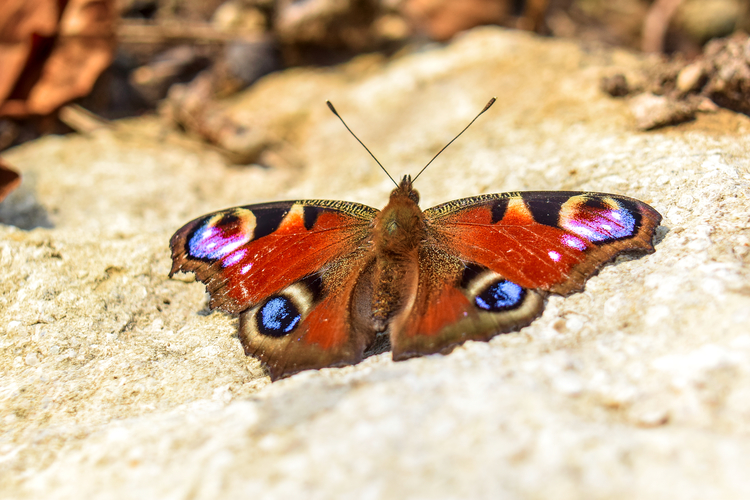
{"x": 277, "y": 317}
{"x": 499, "y": 296}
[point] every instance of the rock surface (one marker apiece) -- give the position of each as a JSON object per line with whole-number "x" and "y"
{"x": 117, "y": 382}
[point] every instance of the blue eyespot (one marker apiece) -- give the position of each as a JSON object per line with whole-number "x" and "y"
{"x": 501, "y": 295}
{"x": 277, "y": 317}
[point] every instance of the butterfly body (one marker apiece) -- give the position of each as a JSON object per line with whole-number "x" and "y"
{"x": 316, "y": 282}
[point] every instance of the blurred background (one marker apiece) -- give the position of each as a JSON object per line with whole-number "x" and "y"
{"x": 75, "y": 65}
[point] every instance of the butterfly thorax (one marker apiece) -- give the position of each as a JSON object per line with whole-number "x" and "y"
{"x": 398, "y": 234}
{"x": 400, "y": 226}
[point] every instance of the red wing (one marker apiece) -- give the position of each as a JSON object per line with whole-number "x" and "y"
{"x": 458, "y": 301}
{"x": 551, "y": 241}
{"x": 488, "y": 261}
{"x": 312, "y": 323}
{"x": 245, "y": 254}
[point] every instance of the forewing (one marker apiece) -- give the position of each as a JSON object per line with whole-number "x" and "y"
{"x": 551, "y": 241}
{"x": 248, "y": 253}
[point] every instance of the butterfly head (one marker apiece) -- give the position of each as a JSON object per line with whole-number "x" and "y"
{"x": 406, "y": 189}
{"x": 400, "y": 226}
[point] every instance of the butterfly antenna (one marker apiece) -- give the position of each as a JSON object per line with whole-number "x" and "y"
{"x": 333, "y": 110}
{"x": 486, "y": 107}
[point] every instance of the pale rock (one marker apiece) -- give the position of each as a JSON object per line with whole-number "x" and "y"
{"x": 637, "y": 387}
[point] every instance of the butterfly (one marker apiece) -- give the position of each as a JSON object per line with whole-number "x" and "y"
{"x": 318, "y": 283}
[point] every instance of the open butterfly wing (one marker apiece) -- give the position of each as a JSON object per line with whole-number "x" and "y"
{"x": 458, "y": 301}
{"x": 314, "y": 322}
{"x": 245, "y": 254}
{"x": 491, "y": 258}
{"x": 551, "y": 241}
{"x": 291, "y": 269}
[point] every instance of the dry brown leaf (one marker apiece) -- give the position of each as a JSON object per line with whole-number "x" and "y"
{"x": 50, "y": 56}
{"x": 442, "y": 19}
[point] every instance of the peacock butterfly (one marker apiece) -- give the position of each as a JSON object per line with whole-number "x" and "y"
{"x": 318, "y": 282}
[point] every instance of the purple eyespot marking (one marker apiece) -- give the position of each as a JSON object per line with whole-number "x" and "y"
{"x": 554, "y": 255}
{"x": 234, "y": 257}
{"x": 246, "y": 268}
{"x": 211, "y": 242}
{"x": 601, "y": 225}
{"x": 573, "y": 242}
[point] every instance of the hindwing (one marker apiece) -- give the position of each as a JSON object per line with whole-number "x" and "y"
{"x": 312, "y": 323}
{"x": 458, "y": 301}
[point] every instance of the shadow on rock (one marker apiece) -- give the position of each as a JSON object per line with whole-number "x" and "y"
{"x": 21, "y": 209}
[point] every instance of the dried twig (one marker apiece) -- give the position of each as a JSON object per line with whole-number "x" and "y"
{"x": 139, "y": 32}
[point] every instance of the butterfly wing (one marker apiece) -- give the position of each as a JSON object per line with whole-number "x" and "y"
{"x": 491, "y": 258}
{"x": 458, "y": 301}
{"x": 245, "y": 254}
{"x": 291, "y": 269}
{"x": 551, "y": 241}
{"x": 316, "y": 322}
